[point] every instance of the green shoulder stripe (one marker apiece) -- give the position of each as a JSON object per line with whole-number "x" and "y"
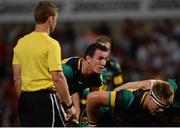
{"x": 67, "y": 71}
{"x": 128, "y": 98}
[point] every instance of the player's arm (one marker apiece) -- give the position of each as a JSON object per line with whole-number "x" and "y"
{"x": 17, "y": 78}
{"x": 145, "y": 84}
{"x": 94, "y": 101}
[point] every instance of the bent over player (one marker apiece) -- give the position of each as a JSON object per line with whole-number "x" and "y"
{"x": 127, "y": 104}
{"x": 82, "y": 73}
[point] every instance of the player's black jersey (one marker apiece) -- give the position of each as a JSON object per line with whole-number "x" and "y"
{"x": 130, "y": 101}
{"x": 129, "y": 108}
{"x": 76, "y": 81}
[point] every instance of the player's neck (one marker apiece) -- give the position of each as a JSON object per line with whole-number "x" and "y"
{"x": 85, "y": 68}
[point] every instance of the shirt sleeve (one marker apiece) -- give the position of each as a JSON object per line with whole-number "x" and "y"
{"x": 67, "y": 71}
{"x": 123, "y": 99}
{"x": 117, "y": 74}
{"x": 54, "y": 57}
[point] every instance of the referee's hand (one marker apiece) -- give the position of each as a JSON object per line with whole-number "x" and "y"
{"x": 71, "y": 113}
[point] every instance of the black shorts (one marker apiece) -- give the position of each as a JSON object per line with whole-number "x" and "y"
{"x": 40, "y": 109}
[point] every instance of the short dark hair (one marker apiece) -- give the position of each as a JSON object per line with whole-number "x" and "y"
{"x": 43, "y": 10}
{"x": 102, "y": 39}
{"x": 93, "y": 47}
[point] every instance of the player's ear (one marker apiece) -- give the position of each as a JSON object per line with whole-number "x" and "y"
{"x": 50, "y": 19}
{"x": 88, "y": 58}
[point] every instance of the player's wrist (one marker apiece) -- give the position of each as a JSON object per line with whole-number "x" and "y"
{"x": 68, "y": 106}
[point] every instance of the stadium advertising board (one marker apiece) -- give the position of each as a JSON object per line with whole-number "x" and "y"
{"x": 21, "y": 10}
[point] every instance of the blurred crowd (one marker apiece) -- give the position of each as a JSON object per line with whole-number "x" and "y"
{"x": 145, "y": 49}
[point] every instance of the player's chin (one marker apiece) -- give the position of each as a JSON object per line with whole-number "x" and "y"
{"x": 153, "y": 113}
{"x": 96, "y": 71}
{"x": 99, "y": 70}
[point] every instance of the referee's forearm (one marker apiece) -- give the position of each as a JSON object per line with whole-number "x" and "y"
{"x": 62, "y": 89}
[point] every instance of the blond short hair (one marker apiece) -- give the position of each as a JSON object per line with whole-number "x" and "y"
{"x": 163, "y": 90}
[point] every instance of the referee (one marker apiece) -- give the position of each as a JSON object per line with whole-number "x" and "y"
{"x": 37, "y": 73}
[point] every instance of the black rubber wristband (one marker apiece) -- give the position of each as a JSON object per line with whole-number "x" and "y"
{"x": 68, "y": 107}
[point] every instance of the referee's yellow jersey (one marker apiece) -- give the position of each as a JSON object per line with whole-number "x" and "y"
{"x": 38, "y": 54}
